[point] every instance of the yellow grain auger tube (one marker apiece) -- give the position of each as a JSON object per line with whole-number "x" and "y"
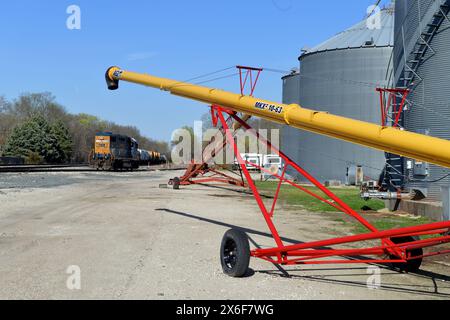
{"x": 408, "y": 144}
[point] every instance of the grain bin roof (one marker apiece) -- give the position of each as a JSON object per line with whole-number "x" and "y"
{"x": 360, "y": 35}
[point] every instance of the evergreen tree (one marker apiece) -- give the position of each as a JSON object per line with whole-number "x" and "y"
{"x": 25, "y": 139}
{"x": 64, "y": 140}
{"x": 37, "y": 137}
{"x": 49, "y": 148}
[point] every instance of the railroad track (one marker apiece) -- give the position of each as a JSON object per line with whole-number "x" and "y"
{"x": 45, "y": 168}
{"x": 72, "y": 168}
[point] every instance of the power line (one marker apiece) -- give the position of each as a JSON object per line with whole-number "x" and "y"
{"x": 415, "y": 104}
{"x": 341, "y": 80}
{"x": 372, "y": 84}
{"x": 209, "y": 74}
{"x": 186, "y": 82}
{"x": 219, "y": 78}
{"x": 362, "y": 83}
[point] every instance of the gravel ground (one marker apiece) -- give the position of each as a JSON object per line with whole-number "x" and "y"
{"x": 131, "y": 239}
{"x": 35, "y": 180}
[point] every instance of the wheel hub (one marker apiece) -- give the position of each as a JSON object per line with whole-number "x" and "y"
{"x": 230, "y": 254}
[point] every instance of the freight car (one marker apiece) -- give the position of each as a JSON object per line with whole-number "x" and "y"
{"x": 147, "y": 158}
{"x": 114, "y": 152}
{"x": 11, "y": 161}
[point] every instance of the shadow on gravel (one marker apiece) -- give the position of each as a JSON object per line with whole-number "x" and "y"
{"x": 238, "y": 191}
{"x": 431, "y": 290}
{"x": 281, "y": 272}
{"x": 227, "y": 225}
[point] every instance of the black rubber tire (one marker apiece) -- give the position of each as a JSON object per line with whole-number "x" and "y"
{"x": 411, "y": 265}
{"x": 235, "y": 253}
{"x": 176, "y": 183}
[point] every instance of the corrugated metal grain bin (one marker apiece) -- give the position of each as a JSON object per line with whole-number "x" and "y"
{"x": 341, "y": 76}
{"x": 422, "y": 64}
{"x": 291, "y": 92}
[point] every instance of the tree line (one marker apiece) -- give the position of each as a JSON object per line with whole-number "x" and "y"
{"x": 36, "y": 127}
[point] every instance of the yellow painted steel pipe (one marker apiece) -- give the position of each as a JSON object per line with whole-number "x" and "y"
{"x": 408, "y": 144}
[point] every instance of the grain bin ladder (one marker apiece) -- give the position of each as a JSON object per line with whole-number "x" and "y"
{"x": 402, "y": 246}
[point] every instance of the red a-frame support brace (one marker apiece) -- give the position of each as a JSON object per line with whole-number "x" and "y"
{"x": 392, "y": 102}
{"x": 198, "y": 173}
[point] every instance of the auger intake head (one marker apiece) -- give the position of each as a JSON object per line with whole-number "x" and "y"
{"x": 111, "y": 81}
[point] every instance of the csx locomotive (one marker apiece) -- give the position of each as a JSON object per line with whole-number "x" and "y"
{"x": 119, "y": 152}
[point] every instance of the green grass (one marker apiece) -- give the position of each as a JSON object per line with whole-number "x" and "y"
{"x": 393, "y": 222}
{"x": 295, "y": 197}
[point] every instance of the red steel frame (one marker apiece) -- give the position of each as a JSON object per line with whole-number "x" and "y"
{"x": 248, "y": 71}
{"x": 390, "y": 105}
{"x": 204, "y": 173}
{"x": 315, "y": 252}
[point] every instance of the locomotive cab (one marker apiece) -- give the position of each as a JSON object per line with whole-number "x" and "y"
{"x": 114, "y": 152}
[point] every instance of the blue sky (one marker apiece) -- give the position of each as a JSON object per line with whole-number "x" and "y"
{"x": 176, "y": 39}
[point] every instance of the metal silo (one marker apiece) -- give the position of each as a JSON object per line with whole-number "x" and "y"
{"x": 341, "y": 76}
{"x": 291, "y": 87}
{"x": 291, "y": 92}
{"x": 422, "y": 64}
